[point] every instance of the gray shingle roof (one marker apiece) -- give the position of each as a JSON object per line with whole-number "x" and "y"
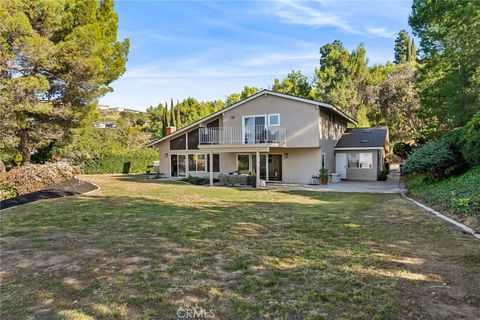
{"x": 363, "y": 138}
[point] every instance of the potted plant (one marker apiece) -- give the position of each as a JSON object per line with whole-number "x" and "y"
{"x": 323, "y": 176}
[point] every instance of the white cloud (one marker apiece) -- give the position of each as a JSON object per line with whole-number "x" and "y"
{"x": 275, "y": 58}
{"x": 382, "y": 32}
{"x": 296, "y": 13}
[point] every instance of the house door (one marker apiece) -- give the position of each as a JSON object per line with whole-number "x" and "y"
{"x": 177, "y": 165}
{"x": 254, "y": 129}
{"x": 341, "y": 164}
{"x": 275, "y": 167}
{"x": 174, "y": 165}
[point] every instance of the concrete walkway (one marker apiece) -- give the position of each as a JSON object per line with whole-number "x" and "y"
{"x": 392, "y": 185}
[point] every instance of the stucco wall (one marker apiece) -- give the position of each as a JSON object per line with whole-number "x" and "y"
{"x": 300, "y": 119}
{"x": 330, "y": 133}
{"x": 363, "y": 174}
{"x": 300, "y": 165}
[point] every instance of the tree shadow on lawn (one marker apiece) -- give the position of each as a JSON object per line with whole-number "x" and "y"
{"x": 125, "y": 257}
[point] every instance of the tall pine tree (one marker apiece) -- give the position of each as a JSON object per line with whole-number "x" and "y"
{"x": 405, "y": 50}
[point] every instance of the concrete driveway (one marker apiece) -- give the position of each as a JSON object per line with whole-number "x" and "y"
{"x": 392, "y": 185}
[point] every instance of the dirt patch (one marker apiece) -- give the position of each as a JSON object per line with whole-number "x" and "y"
{"x": 63, "y": 189}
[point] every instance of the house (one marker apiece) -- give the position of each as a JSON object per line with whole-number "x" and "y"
{"x": 283, "y": 137}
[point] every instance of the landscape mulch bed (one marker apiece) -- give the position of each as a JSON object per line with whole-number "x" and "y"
{"x": 63, "y": 189}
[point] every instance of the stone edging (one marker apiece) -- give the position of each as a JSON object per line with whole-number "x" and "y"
{"x": 441, "y": 216}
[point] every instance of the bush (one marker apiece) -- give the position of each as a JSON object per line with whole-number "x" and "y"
{"x": 122, "y": 161}
{"x": 383, "y": 175}
{"x": 459, "y": 195}
{"x": 196, "y": 180}
{"x": 33, "y": 177}
{"x": 403, "y": 149}
{"x": 471, "y": 146}
{"x": 439, "y": 159}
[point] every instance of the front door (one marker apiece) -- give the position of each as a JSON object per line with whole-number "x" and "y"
{"x": 341, "y": 164}
{"x": 275, "y": 167}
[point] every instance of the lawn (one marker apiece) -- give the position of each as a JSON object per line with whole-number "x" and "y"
{"x": 140, "y": 250}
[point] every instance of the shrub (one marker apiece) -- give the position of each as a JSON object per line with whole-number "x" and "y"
{"x": 439, "y": 159}
{"x": 403, "y": 149}
{"x": 121, "y": 161}
{"x": 196, "y": 180}
{"x": 471, "y": 146}
{"x": 33, "y": 177}
{"x": 383, "y": 175}
{"x": 459, "y": 195}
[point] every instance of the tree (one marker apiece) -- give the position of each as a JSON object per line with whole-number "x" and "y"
{"x": 449, "y": 85}
{"x": 341, "y": 76}
{"x": 246, "y": 92}
{"x": 399, "y": 104}
{"x": 295, "y": 84}
{"x": 156, "y": 123}
{"x": 55, "y": 61}
{"x": 404, "y": 49}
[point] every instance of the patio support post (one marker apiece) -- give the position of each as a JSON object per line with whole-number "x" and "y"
{"x": 257, "y": 168}
{"x": 211, "y": 167}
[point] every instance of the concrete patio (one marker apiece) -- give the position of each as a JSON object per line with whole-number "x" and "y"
{"x": 394, "y": 184}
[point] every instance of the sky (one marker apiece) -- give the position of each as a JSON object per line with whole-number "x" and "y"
{"x": 210, "y": 49}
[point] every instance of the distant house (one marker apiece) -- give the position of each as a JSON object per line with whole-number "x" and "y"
{"x": 280, "y": 137}
{"x": 104, "y": 124}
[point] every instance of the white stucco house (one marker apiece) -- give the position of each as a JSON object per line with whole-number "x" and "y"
{"x": 283, "y": 137}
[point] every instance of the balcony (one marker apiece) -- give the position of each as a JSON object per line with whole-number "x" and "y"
{"x": 243, "y": 135}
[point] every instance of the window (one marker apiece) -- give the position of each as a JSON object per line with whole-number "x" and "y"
{"x": 323, "y": 160}
{"x": 192, "y": 165}
{"x": 178, "y": 143}
{"x": 274, "y": 119}
{"x": 360, "y": 160}
{"x": 196, "y": 162}
{"x": 366, "y": 161}
{"x": 192, "y": 140}
{"x": 243, "y": 163}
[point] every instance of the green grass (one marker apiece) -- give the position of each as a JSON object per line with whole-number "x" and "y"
{"x": 139, "y": 249}
{"x": 459, "y": 195}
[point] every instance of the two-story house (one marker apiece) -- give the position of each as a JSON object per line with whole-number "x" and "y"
{"x": 283, "y": 137}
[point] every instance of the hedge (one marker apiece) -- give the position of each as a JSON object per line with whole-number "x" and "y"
{"x": 125, "y": 161}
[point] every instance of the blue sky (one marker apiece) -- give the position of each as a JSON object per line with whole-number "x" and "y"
{"x": 209, "y": 49}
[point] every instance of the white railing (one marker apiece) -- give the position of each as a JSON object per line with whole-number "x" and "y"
{"x": 243, "y": 135}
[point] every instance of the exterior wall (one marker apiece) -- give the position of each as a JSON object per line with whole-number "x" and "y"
{"x": 300, "y": 119}
{"x": 330, "y": 133}
{"x": 300, "y": 165}
{"x": 363, "y": 174}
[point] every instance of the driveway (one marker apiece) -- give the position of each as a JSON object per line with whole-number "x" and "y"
{"x": 392, "y": 185}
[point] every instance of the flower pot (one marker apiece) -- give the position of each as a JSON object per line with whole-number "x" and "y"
{"x": 324, "y": 180}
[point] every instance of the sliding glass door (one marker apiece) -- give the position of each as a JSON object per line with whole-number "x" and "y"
{"x": 177, "y": 165}
{"x": 254, "y": 129}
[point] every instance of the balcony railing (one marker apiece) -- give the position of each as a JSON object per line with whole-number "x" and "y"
{"x": 243, "y": 135}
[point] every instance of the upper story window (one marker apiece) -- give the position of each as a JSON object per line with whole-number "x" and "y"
{"x": 274, "y": 119}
